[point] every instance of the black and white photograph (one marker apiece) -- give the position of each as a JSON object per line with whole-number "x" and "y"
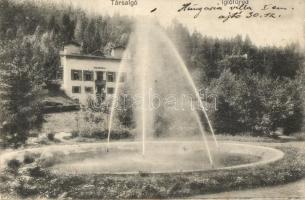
{"x": 152, "y": 99}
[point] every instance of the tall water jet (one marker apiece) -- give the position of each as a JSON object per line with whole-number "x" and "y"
{"x": 143, "y": 109}
{"x": 112, "y": 108}
{"x": 191, "y": 82}
{"x": 159, "y": 80}
{"x": 122, "y": 68}
{"x": 144, "y": 106}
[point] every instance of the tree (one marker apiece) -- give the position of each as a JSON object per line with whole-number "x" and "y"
{"x": 92, "y": 39}
{"x": 6, "y": 16}
{"x": 81, "y": 24}
{"x": 237, "y": 65}
{"x": 124, "y": 108}
{"x": 247, "y": 45}
{"x": 52, "y": 25}
{"x": 50, "y": 60}
{"x": 20, "y": 109}
{"x": 181, "y": 38}
{"x": 68, "y": 27}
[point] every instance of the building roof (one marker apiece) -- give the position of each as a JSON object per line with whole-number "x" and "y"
{"x": 86, "y": 56}
{"x": 96, "y": 55}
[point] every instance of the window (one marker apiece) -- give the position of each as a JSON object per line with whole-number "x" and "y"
{"x": 76, "y": 75}
{"x": 88, "y": 75}
{"x": 89, "y": 90}
{"x": 76, "y": 89}
{"x": 110, "y": 76}
{"x": 110, "y": 90}
{"x": 99, "y": 76}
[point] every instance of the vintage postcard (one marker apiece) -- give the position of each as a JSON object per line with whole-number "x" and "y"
{"x": 152, "y": 99}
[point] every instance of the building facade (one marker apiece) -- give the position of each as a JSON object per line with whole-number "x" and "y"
{"x": 89, "y": 76}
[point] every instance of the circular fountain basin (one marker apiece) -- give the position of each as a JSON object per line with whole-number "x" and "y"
{"x": 165, "y": 157}
{"x": 159, "y": 157}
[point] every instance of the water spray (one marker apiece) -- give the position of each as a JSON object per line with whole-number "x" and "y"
{"x": 189, "y": 78}
{"x": 115, "y": 98}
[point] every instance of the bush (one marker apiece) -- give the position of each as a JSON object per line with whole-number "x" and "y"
{"x": 103, "y": 134}
{"x": 252, "y": 103}
{"x": 124, "y": 109}
{"x": 25, "y": 189}
{"x": 48, "y": 159}
{"x": 150, "y": 192}
{"x": 92, "y": 122}
{"x": 121, "y": 134}
{"x": 51, "y": 136}
{"x": 300, "y": 136}
{"x": 61, "y": 108}
{"x": 36, "y": 172}
{"x": 74, "y": 134}
{"x": 28, "y": 158}
{"x": 14, "y": 164}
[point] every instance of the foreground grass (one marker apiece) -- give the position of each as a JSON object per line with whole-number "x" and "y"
{"x": 36, "y": 181}
{"x": 60, "y": 122}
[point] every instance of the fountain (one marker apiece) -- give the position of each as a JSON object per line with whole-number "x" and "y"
{"x": 168, "y": 113}
{"x": 145, "y": 69}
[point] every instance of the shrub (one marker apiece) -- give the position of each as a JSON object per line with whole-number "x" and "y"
{"x": 300, "y": 136}
{"x": 28, "y": 158}
{"x": 92, "y": 122}
{"x": 48, "y": 159}
{"x": 124, "y": 109}
{"x": 51, "y": 136}
{"x": 150, "y": 191}
{"x": 25, "y": 189}
{"x": 74, "y": 134}
{"x": 256, "y": 104}
{"x": 121, "y": 134}
{"x": 14, "y": 164}
{"x": 36, "y": 172}
{"x": 227, "y": 116}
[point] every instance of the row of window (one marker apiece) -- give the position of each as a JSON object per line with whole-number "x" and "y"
{"x": 88, "y": 76}
{"x": 89, "y": 90}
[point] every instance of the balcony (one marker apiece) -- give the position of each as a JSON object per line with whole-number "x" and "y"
{"x": 100, "y": 82}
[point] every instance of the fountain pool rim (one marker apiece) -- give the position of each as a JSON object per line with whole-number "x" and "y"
{"x": 267, "y": 154}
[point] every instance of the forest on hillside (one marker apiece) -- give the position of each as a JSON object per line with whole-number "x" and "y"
{"x": 258, "y": 89}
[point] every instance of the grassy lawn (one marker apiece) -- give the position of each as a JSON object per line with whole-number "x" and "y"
{"x": 245, "y": 138}
{"x": 66, "y": 122}
{"x": 60, "y": 122}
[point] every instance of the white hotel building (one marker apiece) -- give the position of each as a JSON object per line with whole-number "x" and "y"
{"x": 89, "y": 75}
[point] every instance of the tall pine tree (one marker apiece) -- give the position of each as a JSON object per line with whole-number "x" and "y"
{"x": 20, "y": 109}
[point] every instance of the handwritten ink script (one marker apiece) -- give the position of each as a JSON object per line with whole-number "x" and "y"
{"x": 236, "y": 11}
{"x": 189, "y": 7}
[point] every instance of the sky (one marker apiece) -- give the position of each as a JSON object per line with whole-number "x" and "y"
{"x": 287, "y": 28}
